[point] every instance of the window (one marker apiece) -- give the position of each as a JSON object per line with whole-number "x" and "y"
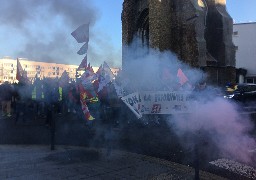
{"x": 249, "y": 80}
{"x": 235, "y": 33}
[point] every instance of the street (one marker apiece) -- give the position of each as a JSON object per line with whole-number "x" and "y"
{"x": 33, "y": 136}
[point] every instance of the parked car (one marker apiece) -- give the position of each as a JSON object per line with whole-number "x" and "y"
{"x": 244, "y": 93}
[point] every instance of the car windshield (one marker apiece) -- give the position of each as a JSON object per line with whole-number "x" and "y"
{"x": 246, "y": 88}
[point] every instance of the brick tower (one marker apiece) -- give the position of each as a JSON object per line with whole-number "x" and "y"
{"x": 198, "y": 31}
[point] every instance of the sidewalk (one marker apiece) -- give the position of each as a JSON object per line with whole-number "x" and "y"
{"x": 28, "y": 162}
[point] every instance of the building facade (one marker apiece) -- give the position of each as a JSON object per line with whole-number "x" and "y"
{"x": 244, "y": 38}
{"x": 8, "y": 69}
{"x": 198, "y": 31}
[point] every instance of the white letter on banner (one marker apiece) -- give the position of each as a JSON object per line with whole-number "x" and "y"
{"x": 132, "y": 102}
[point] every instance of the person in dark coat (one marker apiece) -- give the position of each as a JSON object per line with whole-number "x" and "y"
{"x": 6, "y": 97}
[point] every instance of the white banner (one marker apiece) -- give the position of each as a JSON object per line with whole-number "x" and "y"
{"x": 133, "y": 101}
{"x": 159, "y": 102}
{"x": 164, "y": 102}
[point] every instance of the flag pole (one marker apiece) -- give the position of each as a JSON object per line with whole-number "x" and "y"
{"x": 76, "y": 74}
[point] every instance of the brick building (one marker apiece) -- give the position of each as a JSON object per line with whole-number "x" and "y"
{"x": 198, "y": 31}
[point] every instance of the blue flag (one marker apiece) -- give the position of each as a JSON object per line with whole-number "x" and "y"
{"x": 83, "y": 49}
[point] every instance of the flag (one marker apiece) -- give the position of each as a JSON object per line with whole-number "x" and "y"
{"x": 88, "y": 93}
{"x": 86, "y": 111}
{"x": 108, "y": 71}
{"x": 83, "y": 49}
{"x": 81, "y": 34}
{"x": 105, "y": 76}
{"x": 19, "y": 70}
{"x": 182, "y": 77}
{"x": 119, "y": 90}
{"x": 96, "y": 82}
{"x": 83, "y": 64}
{"x": 98, "y": 73}
{"x": 21, "y": 75}
{"x": 88, "y": 76}
{"x": 83, "y": 98}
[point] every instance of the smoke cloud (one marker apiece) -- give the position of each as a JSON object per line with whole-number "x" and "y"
{"x": 145, "y": 68}
{"x": 219, "y": 122}
{"x": 212, "y": 120}
{"x": 42, "y": 30}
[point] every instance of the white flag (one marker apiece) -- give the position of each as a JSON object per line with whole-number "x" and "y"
{"x": 119, "y": 90}
{"x": 105, "y": 76}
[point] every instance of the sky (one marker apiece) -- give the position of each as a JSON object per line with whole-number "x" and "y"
{"x": 41, "y": 30}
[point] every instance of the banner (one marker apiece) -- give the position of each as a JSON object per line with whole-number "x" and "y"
{"x": 164, "y": 102}
{"x": 133, "y": 101}
{"x": 159, "y": 102}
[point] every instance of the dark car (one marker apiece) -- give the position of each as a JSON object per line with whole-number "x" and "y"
{"x": 244, "y": 93}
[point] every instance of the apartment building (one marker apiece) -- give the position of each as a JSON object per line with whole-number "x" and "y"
{"x": 8, "y": 69}
{"x": 244, "y": 38}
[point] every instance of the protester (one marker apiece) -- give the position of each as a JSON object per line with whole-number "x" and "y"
{"x": 6, "y": 97}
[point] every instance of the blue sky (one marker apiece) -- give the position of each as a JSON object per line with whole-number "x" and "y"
{"x": 41, "y": 30}
{"x": 242, "y": 10}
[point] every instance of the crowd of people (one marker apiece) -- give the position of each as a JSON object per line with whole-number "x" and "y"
{"x": 47, "y": 96}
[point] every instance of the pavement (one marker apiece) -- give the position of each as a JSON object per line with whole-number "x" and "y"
{"x": 38, "y": 162}
{"x": 72, "y": 159}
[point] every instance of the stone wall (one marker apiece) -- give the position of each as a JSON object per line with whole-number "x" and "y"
{"x": 198, "y": 32}
{"x": 160, "y": 28}
{"x": 220, "y": 76}
{"x": 219, "y": 29}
